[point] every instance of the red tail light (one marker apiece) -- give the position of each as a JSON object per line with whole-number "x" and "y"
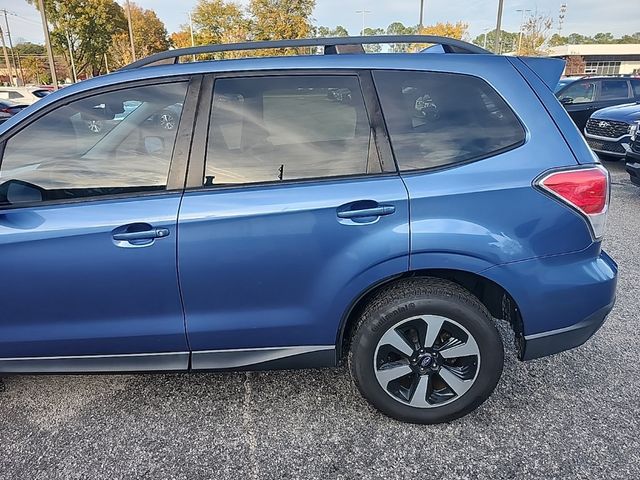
{"x": 5, "y": 110}
{"x": 585, "y": 189}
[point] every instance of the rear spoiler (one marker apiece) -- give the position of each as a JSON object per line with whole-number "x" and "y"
{"x": 549, "y": 70}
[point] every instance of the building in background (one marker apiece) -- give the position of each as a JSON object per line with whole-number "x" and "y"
{"x": 599, "y": 59}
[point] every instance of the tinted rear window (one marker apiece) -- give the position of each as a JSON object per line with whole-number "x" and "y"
{"x": 614, "y": 89}
{"x": 437, "y": 119}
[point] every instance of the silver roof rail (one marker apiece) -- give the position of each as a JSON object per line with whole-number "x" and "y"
{"x": 331, "y": 45}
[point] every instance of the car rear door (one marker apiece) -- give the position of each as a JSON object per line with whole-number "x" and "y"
{"x": 88, "y": 234}
{"x": 293, "y": 209}
{"x": 613, "y": 91}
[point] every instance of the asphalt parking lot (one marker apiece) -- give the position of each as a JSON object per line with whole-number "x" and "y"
{"x": 574, "y": 415}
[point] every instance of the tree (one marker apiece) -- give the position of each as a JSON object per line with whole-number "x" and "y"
{"x": 218, "y": 21}
{"x": 535, "y": 34}
{"x": 88, "y": 26}
{"x": 446, "y": 29}
{"x": 35, "y": 70}
{"x": 28, "y": 48}
{"x": 452, "y": 30}
{"x": 373, "y": 47}
{"x": 280, "y": 19}
{"x": 339, "y": 31}
{"x": 182, "y": 38}
{"x": 507, "y": 40}
{"x": 149, "y": 37}
{"x": 557, "y": 40}
{"x": 575, "y": 65}
{"x": 397, "y": 28}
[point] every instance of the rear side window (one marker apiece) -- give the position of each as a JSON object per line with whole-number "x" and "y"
{"x": 612, "y": 89}
{"x": 273, "y": 129}
{"x": 635, "y": 84}
{"x": 437, "y": 119}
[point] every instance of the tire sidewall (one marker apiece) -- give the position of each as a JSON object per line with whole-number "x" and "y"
{"x": 483, "y": 331}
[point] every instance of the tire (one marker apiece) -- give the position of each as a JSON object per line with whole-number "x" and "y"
{"x": 460, "y": 324}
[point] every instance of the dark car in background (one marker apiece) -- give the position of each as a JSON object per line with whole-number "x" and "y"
{"x": 8, "y": 109}
{"x": 608, "y": 131}
{"x": 633, "y": 155}
{"x": 583, "y": 97}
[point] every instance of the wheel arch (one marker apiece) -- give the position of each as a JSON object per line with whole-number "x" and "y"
{"x": 493, "y": 296}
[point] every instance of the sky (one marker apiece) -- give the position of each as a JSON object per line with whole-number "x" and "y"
{"x": 583, "y": 16}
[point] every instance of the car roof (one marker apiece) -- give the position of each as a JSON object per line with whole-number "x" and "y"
{"x": 395, "y": 61}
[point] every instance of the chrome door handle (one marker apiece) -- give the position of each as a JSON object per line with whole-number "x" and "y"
{"x": 378, "y": 211}
{"x": 144, "y": 235}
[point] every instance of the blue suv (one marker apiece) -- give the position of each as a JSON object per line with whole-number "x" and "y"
{"x": 380, "y": 210}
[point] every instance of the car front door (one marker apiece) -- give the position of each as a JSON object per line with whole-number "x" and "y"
{"x": 298, "y": 210}
{"x": 580, "y": 100}
{"x": 88, "y": 222}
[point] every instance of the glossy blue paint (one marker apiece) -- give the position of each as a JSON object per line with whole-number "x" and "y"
{"x": 69, "y": 289}
{"x": 559, "y": 116}
{"x": 561, "y": 290}
{"x": 274, "y": 265}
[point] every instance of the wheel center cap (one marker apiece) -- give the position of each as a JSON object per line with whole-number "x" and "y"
{"x": 425, "y": 361}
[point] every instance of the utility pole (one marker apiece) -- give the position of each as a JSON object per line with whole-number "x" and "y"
{"x": 133, "y": 48}
{"x": 496, "y": 45}
{"x": 73, "y": 62}
{"x": 421, "y": 24}
{"x": 521, "y": 28}
{"x": 363, "y": 12}
{"x": 13, "y": 55}
{"x": 193, "y": 43}
{"x": 486, "y": 30}
{"x": 47, "y": 42}
{"x": 6, "y": 58}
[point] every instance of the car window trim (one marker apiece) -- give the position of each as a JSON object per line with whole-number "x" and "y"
{"x": 176, "y": 173}
{"x": 197, "y": 160}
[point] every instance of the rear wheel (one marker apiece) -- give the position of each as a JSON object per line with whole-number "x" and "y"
{"x": 426, "y": 351}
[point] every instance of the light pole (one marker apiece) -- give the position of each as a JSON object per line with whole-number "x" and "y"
{"x": 193, "y": 44}
{"x": 496, "y": 45}
{"x": 523, "y": 11}
{"x": 363, "y": 12}
{"x": 6, "y": 58}
{"x": 486, "y": 30}
{"x": 47, "y": 42}
{"x": 421, "y": 24}
{"x": 133, "y": 48}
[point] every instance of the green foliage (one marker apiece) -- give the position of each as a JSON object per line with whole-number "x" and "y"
{"x": 149, "y": 37}
{"x": 339, "y": 31}
{"x": 28, "y": 48}
{"x": 508, "y": 40}
{"x": 374, "y": 47}
{"x": 598, "y": 38}
{"x": 397, "y": 28}
{"x": 88, "y": 25}
{"x": 93, "y": 28}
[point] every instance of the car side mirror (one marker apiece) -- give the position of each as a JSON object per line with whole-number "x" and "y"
{"x": 153, "y": 145}
{"x": 15, "y": 192}
{"x": 566, "y": 100}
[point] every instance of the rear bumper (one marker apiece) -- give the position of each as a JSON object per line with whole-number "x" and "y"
{"x": 555, "y": 341}
{"x": 633, "y": 167}
{"x": 562, "y": 300}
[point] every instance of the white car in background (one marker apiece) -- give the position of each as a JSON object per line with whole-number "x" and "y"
{"x": 23, "y": 95}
